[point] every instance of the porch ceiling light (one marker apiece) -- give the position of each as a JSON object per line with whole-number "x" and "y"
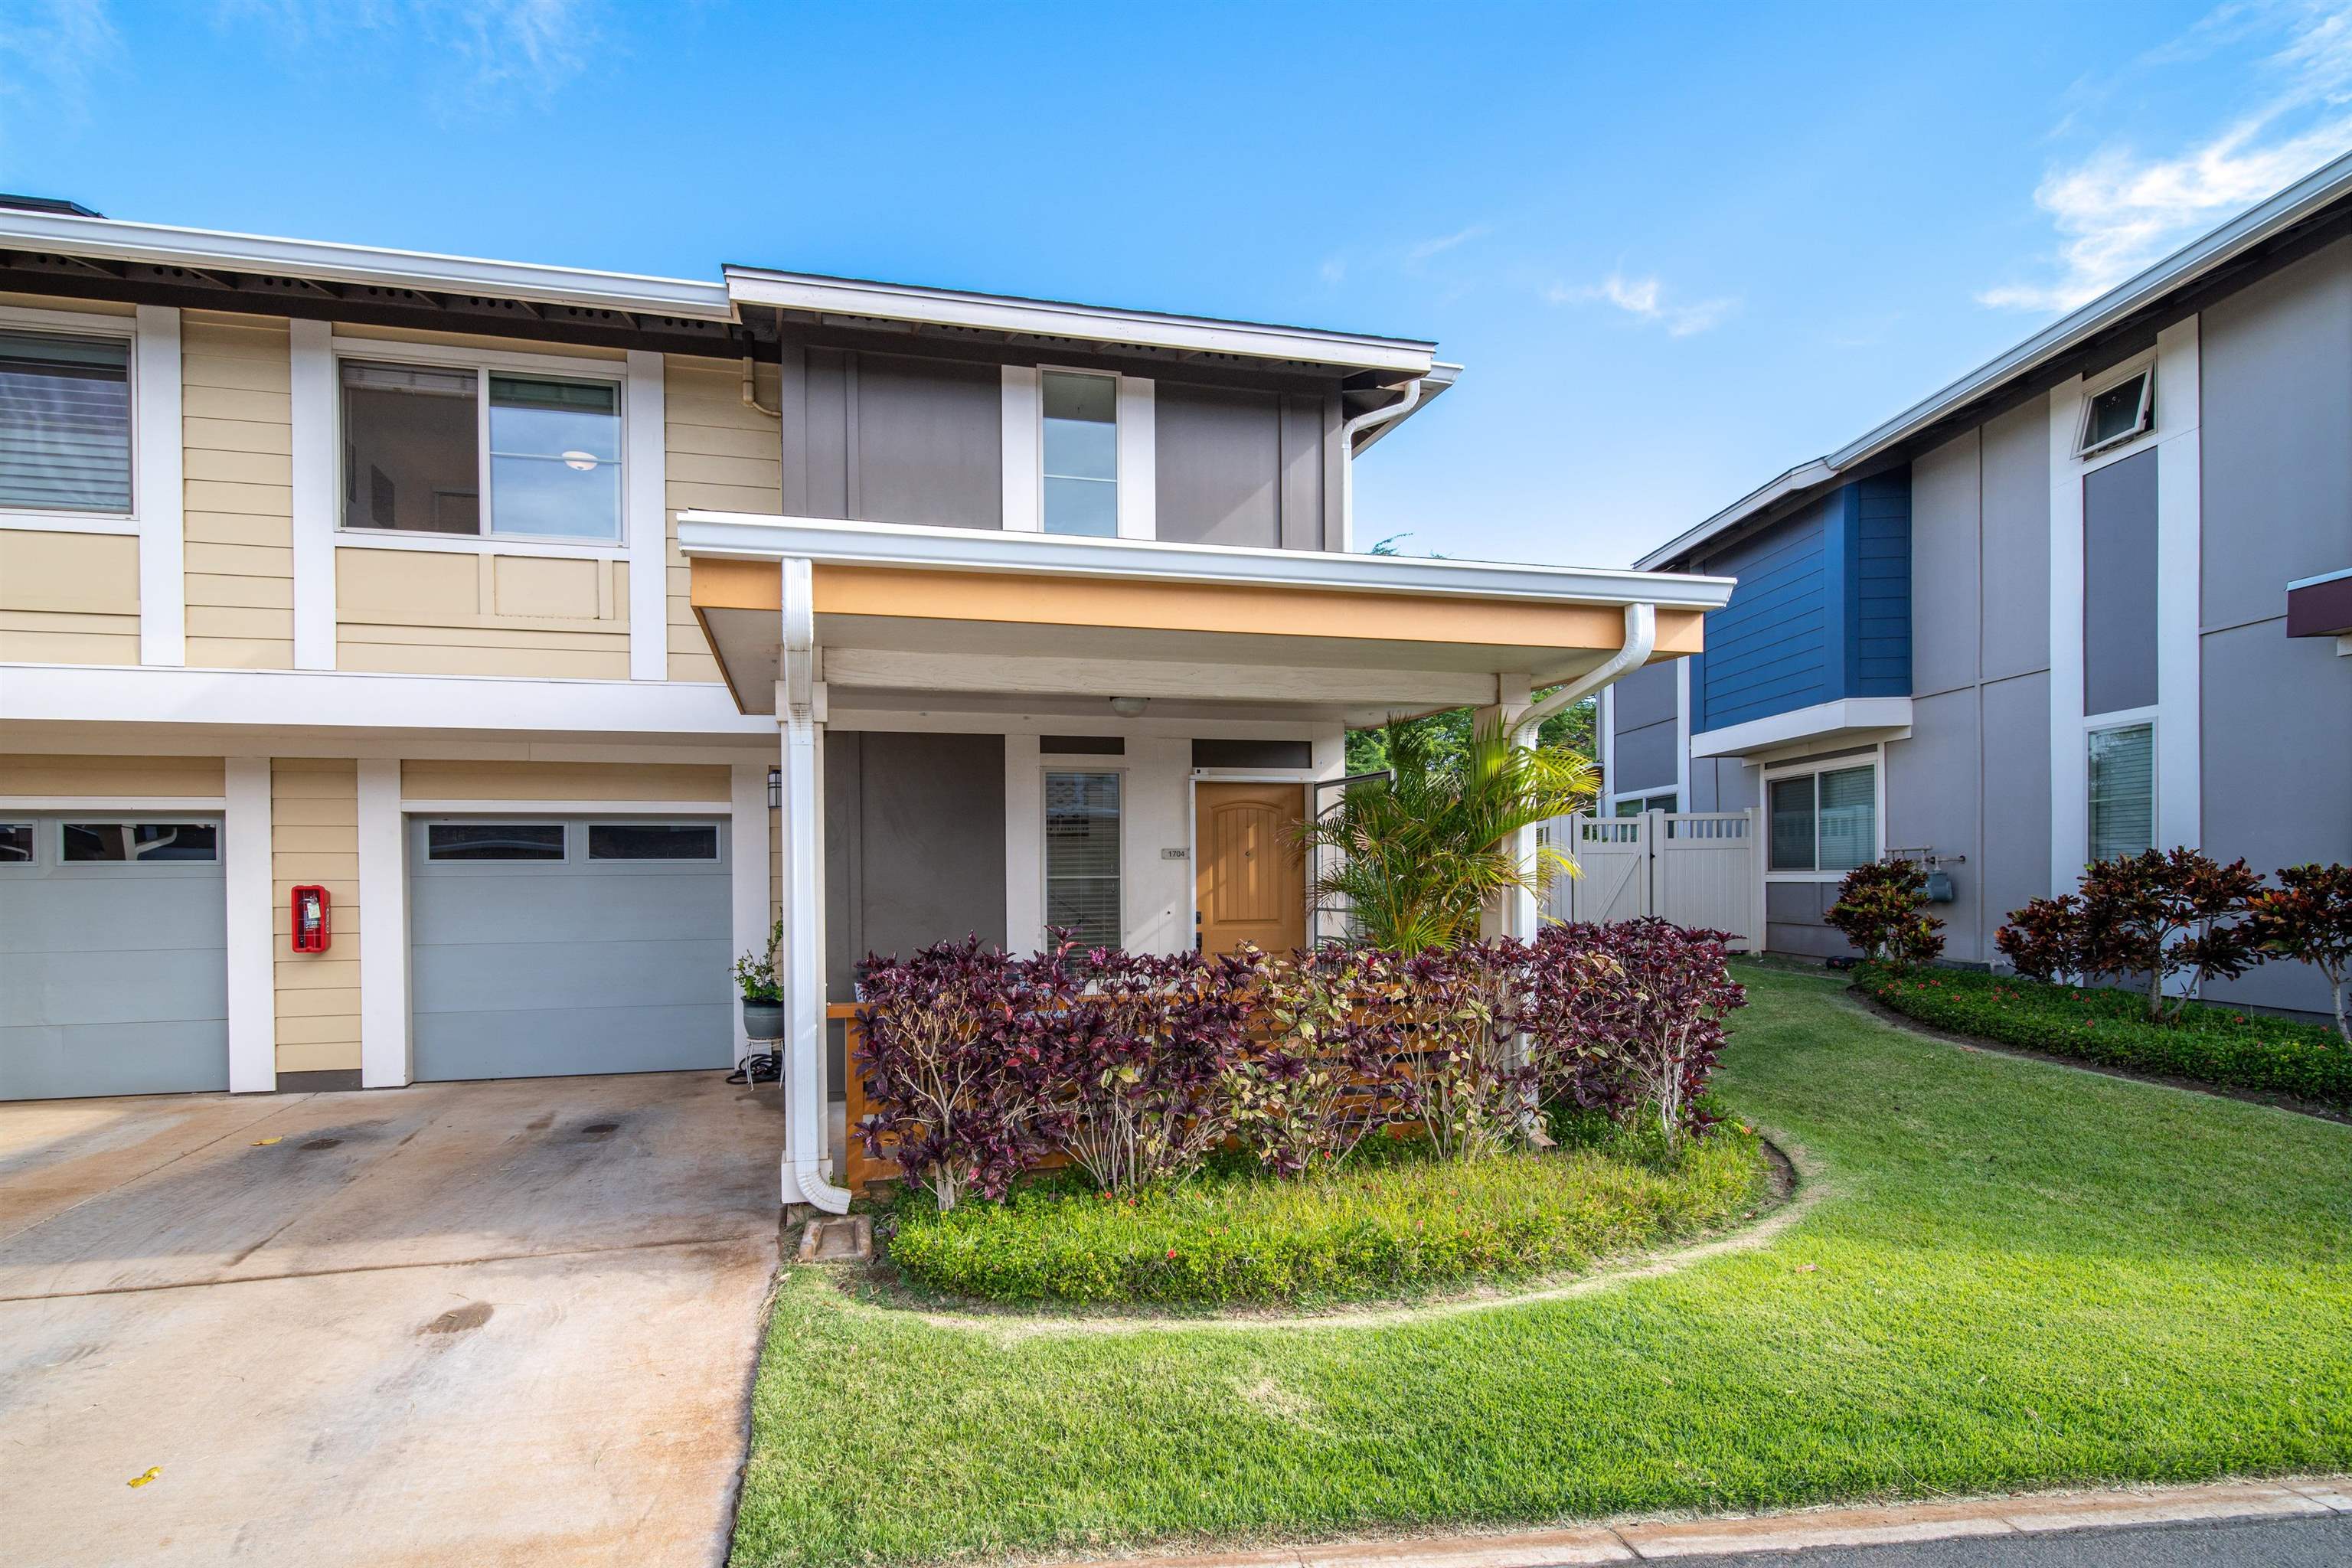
{"x": 1130, "y": 706}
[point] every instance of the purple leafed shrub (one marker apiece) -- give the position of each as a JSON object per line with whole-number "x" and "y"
{"x": 1134, "y": 1050}
{"x": 2147, "y": 917}
{"x": 952, "y": 1062}
{"x": 1882, "y": 909}
{"x": 1628, "y": 1016}
{"x": 2307, "y": 918}
{"x": 1442, "y": 1019}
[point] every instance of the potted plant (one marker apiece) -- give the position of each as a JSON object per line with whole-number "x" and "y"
{"x": 764, "y": 994}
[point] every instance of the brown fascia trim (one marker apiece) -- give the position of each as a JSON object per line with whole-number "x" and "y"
{"x": 2122, "y": 339}
{"x": 367, "y": 305}
{"x": 2321, "y": 609}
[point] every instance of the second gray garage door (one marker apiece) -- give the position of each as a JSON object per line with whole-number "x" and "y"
{"x": 542, "y": 946}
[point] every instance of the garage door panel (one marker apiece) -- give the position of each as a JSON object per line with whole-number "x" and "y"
{"x": 582, "y": 907}
{"x": 516, "y": 1044}
{"x": 530, "y": 969}
{"x": 70, "y": 909}
{"x": 67, "y": 1061}
{"x": 541, "y": 976}
{"x": 113, "y": 987}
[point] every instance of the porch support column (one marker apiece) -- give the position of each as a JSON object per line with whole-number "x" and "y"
{"x": 1504, "y": 916}
{"x": 801, "y": 960}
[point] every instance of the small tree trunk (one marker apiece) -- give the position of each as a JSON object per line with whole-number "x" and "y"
{"x": 2335, "y": 990}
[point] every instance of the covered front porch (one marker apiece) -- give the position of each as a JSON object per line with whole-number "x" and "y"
{"x": 996, "y": 733}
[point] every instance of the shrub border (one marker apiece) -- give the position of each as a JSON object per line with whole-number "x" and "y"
{"x": 2276, "y": 1100}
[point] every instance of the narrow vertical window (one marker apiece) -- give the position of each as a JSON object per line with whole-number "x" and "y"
{"x": 1080, "y": 453}
{"x": 1082, "y": 856}
{"x": 2123, "y": 791}
{"x": 555, "y": 457}
{"x": 1792, "y": 824}
{"x": 65, "y": 423}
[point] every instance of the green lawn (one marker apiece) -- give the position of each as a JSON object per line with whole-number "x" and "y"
{"x": 2022, "y": 1274}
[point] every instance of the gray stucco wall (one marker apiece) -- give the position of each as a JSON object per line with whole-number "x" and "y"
{"x": 914, "y": 843}
{"x": 2276, "y": 418}
{"x": 2119, "y": 552}
{"x": 1241, "y": 467}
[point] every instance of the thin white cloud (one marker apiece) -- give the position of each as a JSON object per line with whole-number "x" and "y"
{"x": 47, "y": 50}
{"x": 1415, "y": 255}
{"x": 1646, "y": 299}
{"x": 2117, "y": 211}
{"x": 501, "y": 48}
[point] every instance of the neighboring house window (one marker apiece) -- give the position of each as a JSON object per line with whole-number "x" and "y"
{"x": 1825, "y": 821}
{"x": 2123, "y": 791}
{"x": 423, "y": 446}
{"x": 1080, "y": 453}
{"x": 2117, "y": 413}
{"x": 1082, "y": 857}
{"x": 65, "y": 422}
{"x": 1635, "y": 804}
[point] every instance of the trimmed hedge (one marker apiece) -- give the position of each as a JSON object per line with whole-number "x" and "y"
{"x": 1392, "y": 1221}
{"x": 2208, "y": 1044}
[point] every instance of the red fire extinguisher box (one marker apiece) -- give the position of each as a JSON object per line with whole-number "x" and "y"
{"x": 310, "y": 923}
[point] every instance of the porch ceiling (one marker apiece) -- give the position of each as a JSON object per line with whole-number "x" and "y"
{"x": 967, "y": 615}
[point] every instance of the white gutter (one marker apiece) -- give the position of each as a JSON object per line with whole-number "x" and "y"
{"x": 1641, "y": 641}
{"x": 1371, "y": 417}
{"x": 200, "y": 249}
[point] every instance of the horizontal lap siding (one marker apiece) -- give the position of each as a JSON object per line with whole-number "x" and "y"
{"x": 314, "y": 838}
{"x": 721, "y": 456}
{"x": 236, "y": 428}
{"x": 436, "y": 612}
{"x": 1768, "y": 650}
{"x": 68, "y": 598}
{"x": 1879, "y": 663}
{"x": 154, "y": 778}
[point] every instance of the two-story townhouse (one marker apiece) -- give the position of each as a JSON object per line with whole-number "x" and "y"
{"x": 564, "y": 628}
{"x": 2090, "y": 598}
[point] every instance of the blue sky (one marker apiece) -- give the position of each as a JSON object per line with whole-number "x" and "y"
{"x": 1679, "y": 247}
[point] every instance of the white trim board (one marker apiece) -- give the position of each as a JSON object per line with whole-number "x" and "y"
{"x": 553, "y": 807}
{"x": 645, "y": 525}
{"x": 346, "y": 699}
{"x": 157, "y": 489}
{"x": 248, "y": 877}
{"x": 138, "y": 804}
{"x": 386, "y": 1058}
{"x": 1859, "y": 719}
{"x": 315, "y": 402}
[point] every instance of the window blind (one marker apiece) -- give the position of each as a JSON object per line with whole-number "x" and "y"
{"x": 2123, "y": 791}
{"x": 65, "y": 423}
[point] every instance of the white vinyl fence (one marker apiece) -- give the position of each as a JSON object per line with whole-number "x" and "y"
{"x": 1702, "y": 869}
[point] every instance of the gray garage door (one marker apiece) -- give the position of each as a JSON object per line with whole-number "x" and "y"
{"x": 542, "y": 946}
{"x": 113, "y": 968}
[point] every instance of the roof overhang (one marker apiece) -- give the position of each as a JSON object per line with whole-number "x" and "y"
{"x": 202, "y": 250}
{"x": 1847, "y": 721}
{"x": 970, "y": 614}
{"x": 2183, "y": 269}
{"x": 858, "y": 302}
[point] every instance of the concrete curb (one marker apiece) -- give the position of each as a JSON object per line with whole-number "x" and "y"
{"x": 1641, "y": 1540}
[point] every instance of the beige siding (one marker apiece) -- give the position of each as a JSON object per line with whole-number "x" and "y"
{"x": 68, "y": 302}
{"x": 68, "y": 598}
{"x": 164, "y": 778}
{"x": 720, "y": 454}
{"x": 477, "y": 341}
{"x": 236, "y": 424}
{"x": 314, "y": 838}
{"x": 587, "y": 782}
{"x": 441, "y": 612}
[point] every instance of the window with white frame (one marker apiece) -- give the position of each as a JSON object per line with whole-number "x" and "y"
{"x": 1826, "y": 820}
{"x": 1082, "y": 856}
{"x": 65, "y": 422}
{"x": 2116, "y": 413}
{"x": 467, "y": 451}
{"x": 1080, "y": 452}
{"x": 2123, "y": 791}
{"x": 1635, "y": 804}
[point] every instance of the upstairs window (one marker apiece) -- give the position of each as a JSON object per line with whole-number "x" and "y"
{"x": 2117, "y": 414}
{"x": 65, "y": 423}
{"x": 428, "y": 449}
{"x": 1081, "y": 453}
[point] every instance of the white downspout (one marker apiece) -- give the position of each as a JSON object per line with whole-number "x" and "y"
{"x": 806, "y": 1176}
{"x": 751, "y": 391}
{"x": 1384, "y": 414}
{"x": 1641, "y": 641}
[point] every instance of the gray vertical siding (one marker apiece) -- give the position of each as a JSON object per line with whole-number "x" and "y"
{"x": 2276, "y": 428}
{"x": 1934, "y": 802}
{"x": 1220, "y": 465}
{"x": 931, "y": 443}
{"x": 1645, "y": 731}
{"x": 2015, "y": 552}
{"x": 914, "y": 843}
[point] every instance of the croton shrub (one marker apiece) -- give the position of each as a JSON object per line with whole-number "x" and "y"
{"x": 1882, "y": 909}
{"x": 1135, "y": 1067}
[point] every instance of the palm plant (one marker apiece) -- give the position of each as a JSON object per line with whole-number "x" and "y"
{"x": 1418, "y": 855}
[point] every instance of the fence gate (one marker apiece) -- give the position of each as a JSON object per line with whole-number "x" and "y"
{"x": 1701, "y": 869}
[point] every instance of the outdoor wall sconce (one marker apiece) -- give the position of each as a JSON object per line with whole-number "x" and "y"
{"x": 775, "y": 789}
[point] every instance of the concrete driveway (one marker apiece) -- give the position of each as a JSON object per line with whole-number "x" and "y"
{"x": 474, "y": 1323}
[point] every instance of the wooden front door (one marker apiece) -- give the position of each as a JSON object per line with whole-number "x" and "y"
{"x": 1250, "y": 883}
